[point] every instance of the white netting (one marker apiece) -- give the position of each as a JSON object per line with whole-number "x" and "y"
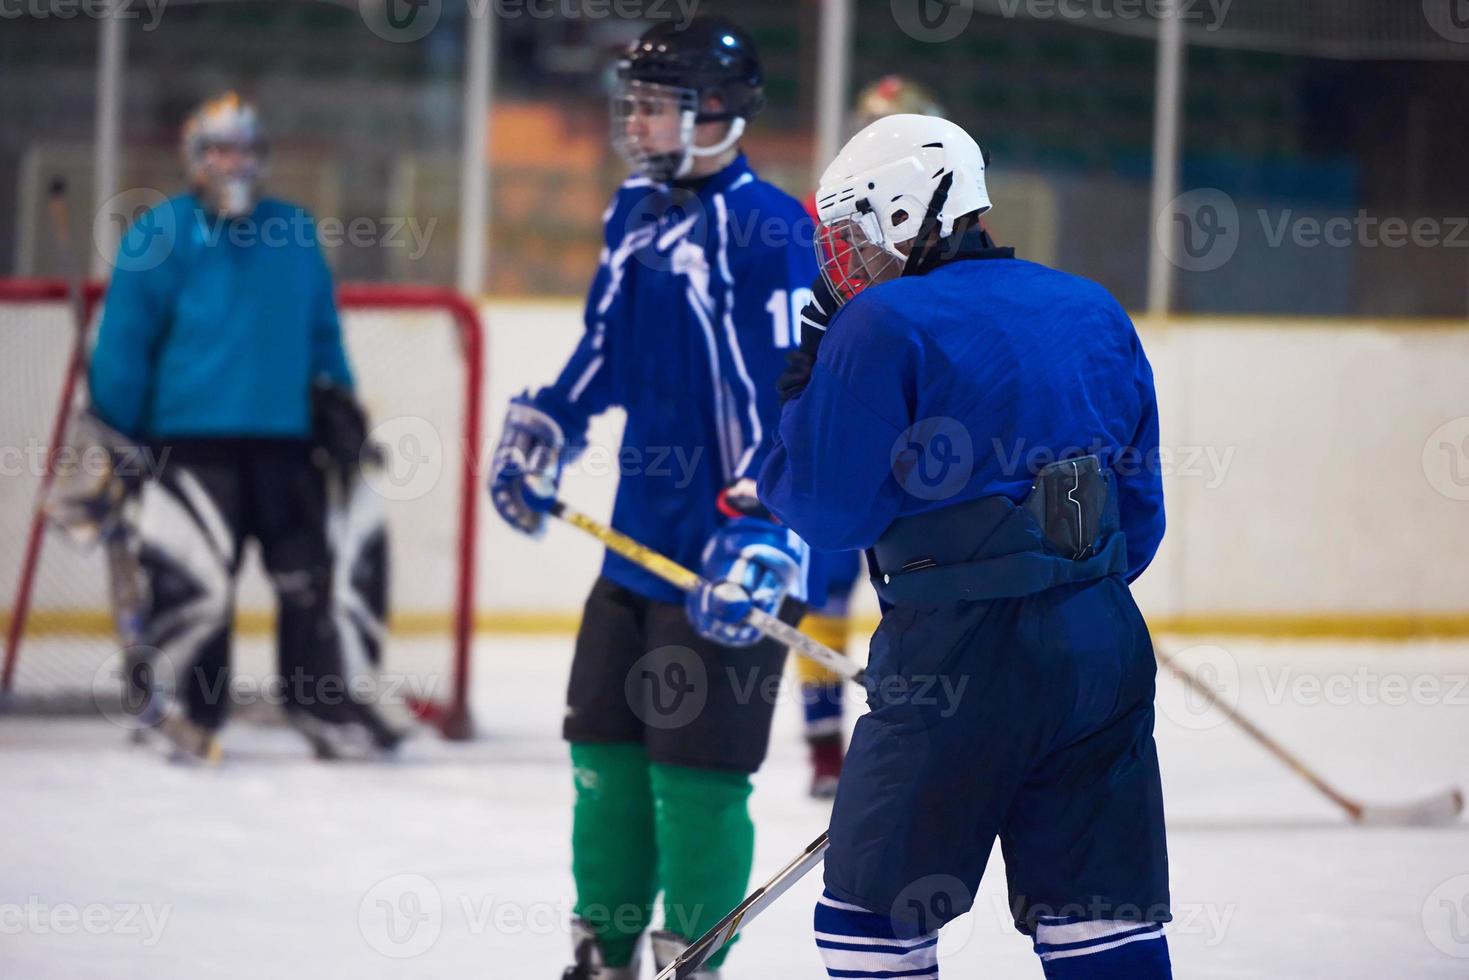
{"x": 412, "y": 375}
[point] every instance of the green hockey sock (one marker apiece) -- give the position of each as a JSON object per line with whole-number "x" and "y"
{"x": 706, "y": 846}
{"x": 613, "y": 850}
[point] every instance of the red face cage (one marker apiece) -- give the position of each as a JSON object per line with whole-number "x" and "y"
{"x": 850, "y": 259}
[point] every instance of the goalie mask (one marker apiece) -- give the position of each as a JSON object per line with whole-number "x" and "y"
{"x": 670, "y": 81}
{"x": 224, "y": 151}
{"x": 889, "y": 96}
{"x": 898, "y": 184}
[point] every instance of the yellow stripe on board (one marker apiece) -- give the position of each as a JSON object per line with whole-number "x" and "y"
{"x": 1379, "y": 626}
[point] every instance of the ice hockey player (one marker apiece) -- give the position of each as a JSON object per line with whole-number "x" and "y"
{"x": 221, "y": 349}
{"x": 823, "y": 692}
{"x": 986, "y": 427}
{"x": 687, "y": 325}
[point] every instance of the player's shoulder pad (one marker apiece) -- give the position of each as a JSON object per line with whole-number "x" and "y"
{"x": 1078, "y": 295}
{"x": 761, "y": 218}
{"x": 274, "y": 207}
{"x": 629, "y": 195}
{"x": 877, "y": 310}
{"x": 290, "y": 222}
{"x": 157, "y": 234}
{"x": 874, "y": 325}
{"x": 1060, "y": 282}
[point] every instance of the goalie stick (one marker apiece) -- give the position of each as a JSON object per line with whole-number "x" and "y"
{"x": 125, "y": 591}
{"x": 1440, "y": 808}
{"x": 123, "y": 574}
{"x": 675, "y": 574}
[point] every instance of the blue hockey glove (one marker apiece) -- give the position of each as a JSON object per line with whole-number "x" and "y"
{"x": 815, "y": 318}
{"x": 748, "y": 563}
{"x": 527, "y": 466}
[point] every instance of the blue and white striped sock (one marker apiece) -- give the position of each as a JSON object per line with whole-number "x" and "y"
{"x": 1101, "y": 949}
{"x": 822, "y": 704}
{"x": 856, "y": 943}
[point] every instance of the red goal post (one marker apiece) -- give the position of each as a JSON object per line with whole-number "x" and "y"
{"x": 387, "y": 328}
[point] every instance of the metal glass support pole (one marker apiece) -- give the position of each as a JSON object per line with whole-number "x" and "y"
{"x": 474, "y": 170}
{"x": 111, "y": 52}
{"x": 1167, "y": 105}
{"x": 833, "y": 78}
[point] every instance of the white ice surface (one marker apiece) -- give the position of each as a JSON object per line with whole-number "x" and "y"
{"x": 278, "y": 866}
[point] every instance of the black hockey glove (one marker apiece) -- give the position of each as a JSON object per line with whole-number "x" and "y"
{"x": 815, "y": 316}
{"x": 339, "y": 430}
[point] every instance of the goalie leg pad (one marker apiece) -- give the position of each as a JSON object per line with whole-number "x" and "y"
{"x": 289, "y": 517}
{"x": 189, "y": 551}
{"x": 360, "y": 555}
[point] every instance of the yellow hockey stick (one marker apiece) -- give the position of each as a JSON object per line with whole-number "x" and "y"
{"x": 676, "y": 575}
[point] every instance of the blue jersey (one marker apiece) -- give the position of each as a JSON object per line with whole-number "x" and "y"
{"x": 687, "y": 325}
{"x": 997, "y": 367}
{"x": 216, "y": 328}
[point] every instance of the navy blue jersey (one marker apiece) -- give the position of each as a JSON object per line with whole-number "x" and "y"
{"x": 687, "y": 324}
{"x": 992, "y": 367}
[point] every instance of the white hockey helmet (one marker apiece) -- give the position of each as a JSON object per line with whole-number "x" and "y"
{"x": 225, "y": 123}
{"x": 898, "y": 176}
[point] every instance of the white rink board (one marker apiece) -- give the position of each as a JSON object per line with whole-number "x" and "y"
{"x": 274, "y": 865}
{"x": 1301, "y": 486}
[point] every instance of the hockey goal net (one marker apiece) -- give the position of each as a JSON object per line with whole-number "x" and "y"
{"x": 416, "y": 353}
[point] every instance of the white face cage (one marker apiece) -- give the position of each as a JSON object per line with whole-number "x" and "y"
{"x": 653, "y": 129}
{"x": 232, "y": 193}
{"x": 231, "y": 190}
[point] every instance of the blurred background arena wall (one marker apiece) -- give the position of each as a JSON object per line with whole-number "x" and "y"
{"x": 1303, "y": 109}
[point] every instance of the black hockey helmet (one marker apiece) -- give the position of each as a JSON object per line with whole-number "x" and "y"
{"x": 709, "y": 55}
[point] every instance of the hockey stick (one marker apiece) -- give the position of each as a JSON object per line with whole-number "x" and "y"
{"x": 676, "y": 575}
{"x": 698, "y": 953}
{"x": 1441, "y": 808}
{"x": 124, "y": 589}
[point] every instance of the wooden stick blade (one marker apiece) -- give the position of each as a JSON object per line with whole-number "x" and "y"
{"x": 1437, "y": 810}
